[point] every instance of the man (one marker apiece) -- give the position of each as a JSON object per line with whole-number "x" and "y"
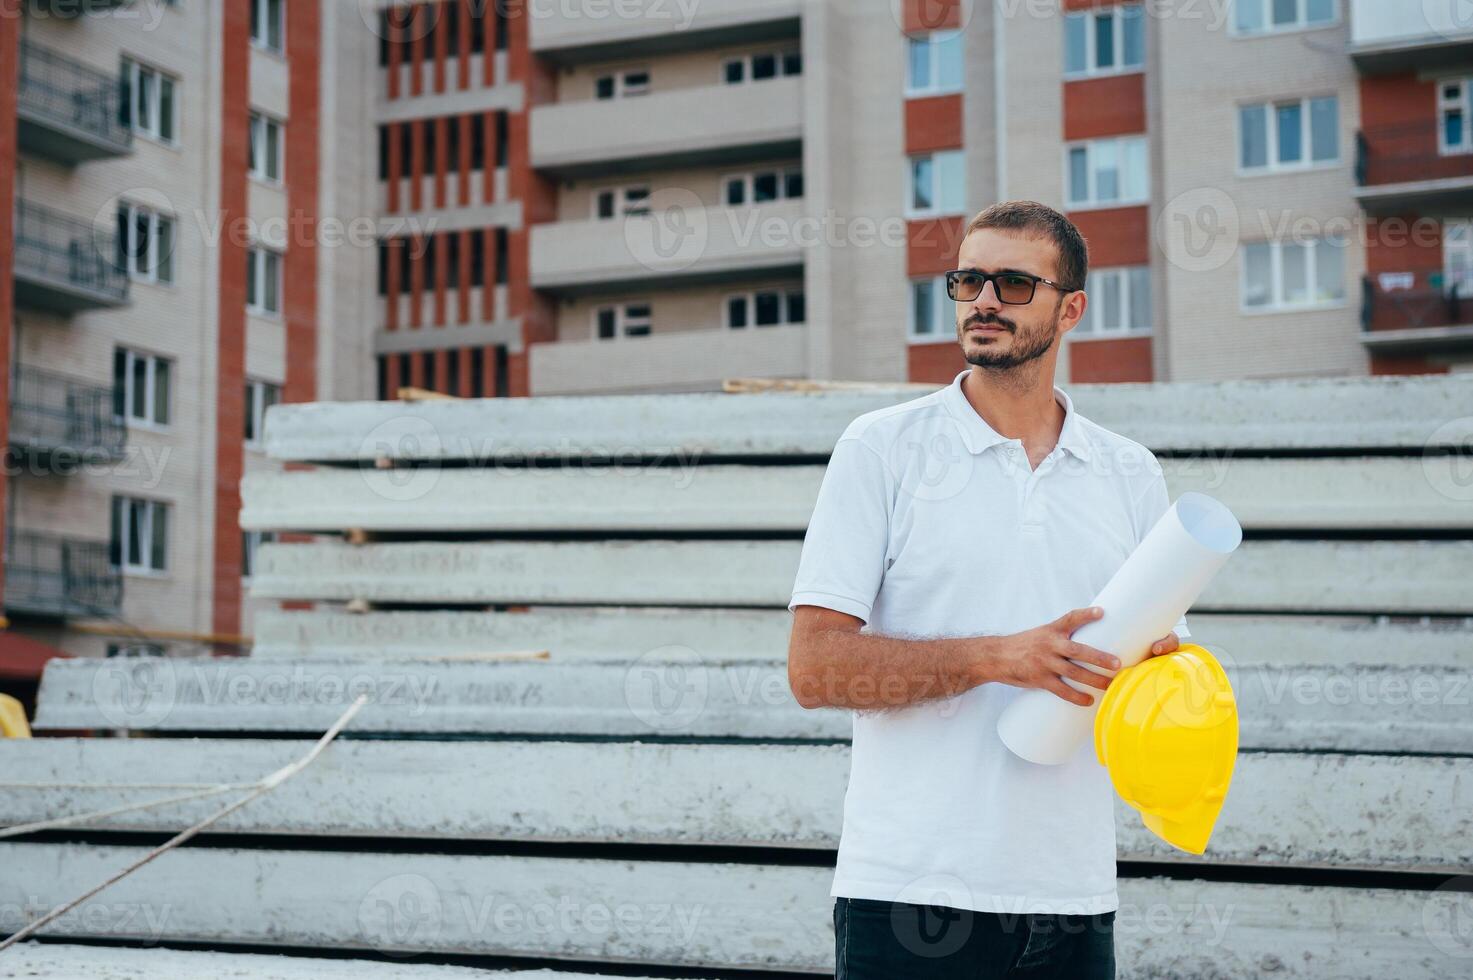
{"x": 954, "y": 541}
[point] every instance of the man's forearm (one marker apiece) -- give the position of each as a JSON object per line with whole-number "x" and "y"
{"x": 863, "y": 671}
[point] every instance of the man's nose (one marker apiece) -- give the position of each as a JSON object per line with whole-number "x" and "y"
{"x": 987, "y": 301}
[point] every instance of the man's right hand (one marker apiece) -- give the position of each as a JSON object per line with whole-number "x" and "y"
{"x": 1043, "y": 656}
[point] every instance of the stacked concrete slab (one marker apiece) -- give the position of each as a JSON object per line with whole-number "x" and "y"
{"x": 580, "y": 747}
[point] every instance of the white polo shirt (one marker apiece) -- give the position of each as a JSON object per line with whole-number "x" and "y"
{"x": 931, "y": 524}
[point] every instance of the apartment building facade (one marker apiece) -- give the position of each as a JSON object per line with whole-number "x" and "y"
{"x": 163, "y": 279}
{"x": 772, "y": 188}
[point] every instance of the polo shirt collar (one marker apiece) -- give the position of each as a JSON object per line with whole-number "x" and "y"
{"x": 979, "y": 436}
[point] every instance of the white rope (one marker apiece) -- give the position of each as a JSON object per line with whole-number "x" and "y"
{"x": 264, "y": 786}
{"x": 76, "y": 818}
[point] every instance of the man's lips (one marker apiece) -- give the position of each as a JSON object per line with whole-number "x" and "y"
{"x": 986, "y": 328}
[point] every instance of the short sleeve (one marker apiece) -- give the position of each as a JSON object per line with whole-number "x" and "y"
{"x": 843, "y": 559}
{"x": 1154, "y": 502}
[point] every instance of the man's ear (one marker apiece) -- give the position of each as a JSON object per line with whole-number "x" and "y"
{"x": 1072, "y": 311}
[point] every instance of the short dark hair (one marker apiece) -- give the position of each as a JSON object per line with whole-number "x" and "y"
{"x": 1042, "y": 221}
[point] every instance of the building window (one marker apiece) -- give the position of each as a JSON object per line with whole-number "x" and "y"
{"x": 766, "y": 308}
{"x": 1289, "y": 135}
{"x": 1455, "y": 108}
{"x": 1104, "y": 41}
{"x": 938, "y": 184}
{"x": 1293, "y": 275}
{"x": 934, "y": 64}
{"x": 1119, "y": 302}
{"x": 1457, "y": 257}
{"x": 1108, "y": 172}
{"x": 626, "y": 320}
{"x": 265, "y": 151}
{"x": 135, "y": 650}
{"x": 614, "y": 202}
{"x": 1266, "y": 16}
{"x": 762, "y": 66}
{"x": 622, "y": 84}
{"x": 145, "y": 244}
{"x": 148, "y": 104}
{"x": 259, "y": 396}
{"x": 762, "y": 186}
{"x": 266, "y": 24}
{"x": 932, "y": 313}
{"x": 139, "y": 540}
{"x": 263, "y": 280}
{"x": 249, "y": 542}
{"x": 140, "y": 387}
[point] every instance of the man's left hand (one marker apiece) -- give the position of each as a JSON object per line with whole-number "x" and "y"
{"x": 1165, "y": 645}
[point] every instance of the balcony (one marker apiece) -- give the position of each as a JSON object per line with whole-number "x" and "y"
{"x": 690, "y": 360}
{"x": 661, "y": 28}
{"x": 1418, "y": 320}
{"x": 53, "y": 575}
{"x": 1402, "y": 168}
{"x": 66, "y": 110}
{"x": 1390, "y": 36}
{"x": 61, "y": 421}
{"x": 708, "y": 125}
{"x": 64, "y": 264}
{"x": 692, "y": 247}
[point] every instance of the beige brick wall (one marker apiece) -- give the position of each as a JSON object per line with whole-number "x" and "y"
{"x": 672, "y": 310}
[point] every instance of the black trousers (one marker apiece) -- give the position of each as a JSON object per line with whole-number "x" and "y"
{"x": 895, "y": 941}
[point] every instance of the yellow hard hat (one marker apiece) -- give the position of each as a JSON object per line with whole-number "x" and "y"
{"x": 1167, "y": 731}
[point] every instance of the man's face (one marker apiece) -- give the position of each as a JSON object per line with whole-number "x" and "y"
{"x": 998, "y": 335}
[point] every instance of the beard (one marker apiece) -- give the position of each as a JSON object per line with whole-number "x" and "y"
{"x": 1028, "y": 344}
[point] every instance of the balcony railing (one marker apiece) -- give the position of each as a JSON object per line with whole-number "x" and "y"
{"x": 68, "y": 110}
{"x": 1407, "y": 153}
{"x": 1403, "y": 309}
{"x": 63, "y": 263}
{"x": 58, "y": 576}
{"x": 62, "y": 419}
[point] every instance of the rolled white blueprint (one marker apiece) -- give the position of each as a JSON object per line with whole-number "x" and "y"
{"x": 1143, "y": 600}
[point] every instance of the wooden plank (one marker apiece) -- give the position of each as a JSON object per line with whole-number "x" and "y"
{"x": 1339, "y": 413}
{"x": 1265, "y": 493}
{"x": 1285, "y": 809}
{"x": 1287, "y": 707}
{"x": 1265, "y": 575}
{"x": 63, "y": 961}
{"x": 686, "y": 915}
{"x": 626, "y": 634}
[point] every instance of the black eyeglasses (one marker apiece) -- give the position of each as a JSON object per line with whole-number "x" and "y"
{"x": 1012, "y": 288}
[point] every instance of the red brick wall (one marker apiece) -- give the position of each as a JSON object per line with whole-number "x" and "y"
{"x": 933, "y": 123}
{"x": 230, "y": 342}
{"x": 931, "y": 245}
{"x": 1116, "y": 236}
{"x": 10, "y": 14}
{"x": 920, "y": 16}
{"x": 1110, "y": 106}
{"x": 303, "y": 164}
{"x": 1127, "y": 359}
{"x": 1400, "y": 123}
